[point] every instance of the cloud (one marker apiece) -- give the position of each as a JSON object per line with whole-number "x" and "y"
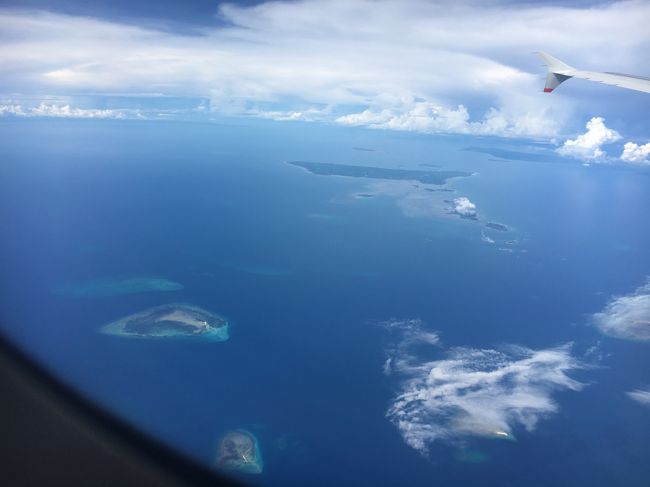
{"x": 430, "y": 117}
{"x": 307, "y": 115}
{"x": 57, "y": 111}
{"x": 588, "y": 145}
{"x": 474, "y": 392}
{"x": 636, "y": 153}
{"x": 627, "y": 317}
{"x": 642, "y": 396}
{"x": 464, "y": 207}
{"x": 410, "y": 65}
{"x": 424, "y": 201}
{"x": 485, "y": 238}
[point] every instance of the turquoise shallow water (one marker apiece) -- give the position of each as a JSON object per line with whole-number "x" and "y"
{"x": 304, "y": 269}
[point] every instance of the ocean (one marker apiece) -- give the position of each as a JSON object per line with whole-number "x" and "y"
{"x": 308, "y": 269}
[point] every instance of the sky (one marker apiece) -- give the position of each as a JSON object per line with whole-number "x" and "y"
{"x": 424, "y": 66}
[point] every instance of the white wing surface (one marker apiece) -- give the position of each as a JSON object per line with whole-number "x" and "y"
{"x": 559, "y": 72}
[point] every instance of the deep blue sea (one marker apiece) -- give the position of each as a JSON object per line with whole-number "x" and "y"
{"x": 305, "y": 270}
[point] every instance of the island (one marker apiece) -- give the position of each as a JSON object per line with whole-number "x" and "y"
{"x": 177, "y": 320}
{"x": 239, "y": 451}
{"x": 442, "y": 190}
{"x": 426, "y": 177}
{"x": 497, "y": 226}
{"x": 115, "y": 286}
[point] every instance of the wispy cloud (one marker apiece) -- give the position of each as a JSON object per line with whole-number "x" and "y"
{"x": 588, "y": 146}
{"x": 474, "y": 392}
{"x": 408, "y": 65}
{"x": 641, "y": 396}
{"x": 627, "y": 317}
{"x": 406, "y": 333}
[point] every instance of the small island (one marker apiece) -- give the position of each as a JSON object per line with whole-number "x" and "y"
{"x": 116, "y": 286}
{"x": 171, "y": 321}
{"x": 497, "y": 226}
{"x": 239, "y": 451}
{"x": 439, "y": 190}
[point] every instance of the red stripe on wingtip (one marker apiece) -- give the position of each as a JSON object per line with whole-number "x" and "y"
{"x": 548, "y": 90}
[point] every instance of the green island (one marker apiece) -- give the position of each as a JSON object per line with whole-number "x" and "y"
{"x": 426, "y": 177}
{"x": 176, "y": 320}
{"x": 239, "y": 451}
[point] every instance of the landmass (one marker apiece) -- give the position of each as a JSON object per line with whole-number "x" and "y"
{"x": 546, "y": 156}
{"x": 171, "y": 320}
{"x": 497, "y": 226}
{"x": 364, "y": 149}
{"x": 115, "y": 286}
{"x": 426, "y": 177}
{"x": 442, "y": 190}
{"x": 239, "y": 451}
{"x": 364, "y": 195}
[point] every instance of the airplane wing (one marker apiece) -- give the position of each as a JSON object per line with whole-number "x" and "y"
{"x": 559, "y": 72}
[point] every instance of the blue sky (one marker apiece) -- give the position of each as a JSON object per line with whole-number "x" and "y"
{"x": 433, "y": 67}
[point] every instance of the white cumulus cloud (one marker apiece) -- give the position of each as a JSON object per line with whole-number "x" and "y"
{"x": 636, "y": 153}
{"x": 431, "y": 117}
{"x": 587, "y": 146}
{"x": 627, "y": 316}
{"x": 640, "y": 395}
{"x": 475, "y": 392}
{"x": 57, "y": 111}
{"x": 464, "y": 207}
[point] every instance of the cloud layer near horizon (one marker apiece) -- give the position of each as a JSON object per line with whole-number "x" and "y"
{"x": 62, "y": 111}
{"x": 408, "y": 65}
{"x": 472, "y": 392}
